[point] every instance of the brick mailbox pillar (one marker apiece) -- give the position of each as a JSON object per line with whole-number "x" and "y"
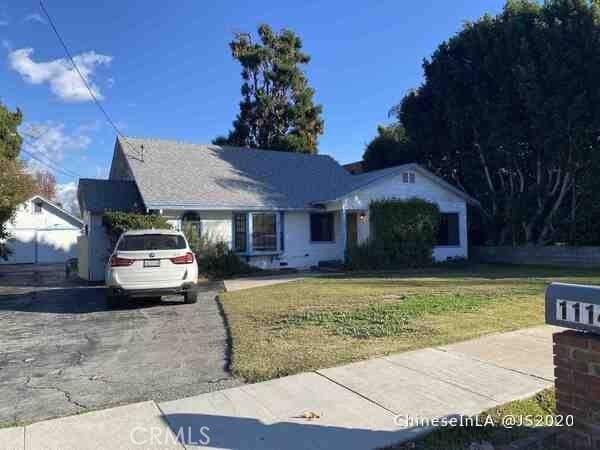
{"x": 577, "y": 380}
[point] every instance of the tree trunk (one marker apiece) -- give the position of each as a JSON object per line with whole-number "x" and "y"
{"x": 547, "y": 227}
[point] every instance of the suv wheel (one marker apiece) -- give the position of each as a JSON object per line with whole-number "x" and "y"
{"x": 190, "y": 297}
{"x": 112, "y": 300}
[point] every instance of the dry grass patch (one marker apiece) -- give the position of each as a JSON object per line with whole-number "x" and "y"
{"x": 323, "y": 322}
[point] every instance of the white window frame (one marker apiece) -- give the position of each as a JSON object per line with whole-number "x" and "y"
{"x": 250, "y": 249}
{"x": 409, "y": 177}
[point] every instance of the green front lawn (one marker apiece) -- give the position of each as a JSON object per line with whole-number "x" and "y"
{"x": 323, "y": 322}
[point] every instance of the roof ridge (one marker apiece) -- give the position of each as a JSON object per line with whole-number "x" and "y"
{"x": 223, "y": 147}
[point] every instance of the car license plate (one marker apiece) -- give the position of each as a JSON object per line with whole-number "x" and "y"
{"x": 152, "y": 263}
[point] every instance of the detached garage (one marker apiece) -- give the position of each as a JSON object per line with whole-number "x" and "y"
{"x": 42, "y": 232}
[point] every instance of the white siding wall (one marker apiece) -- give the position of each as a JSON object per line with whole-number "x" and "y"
{"x": 423, "y": 188}
{"x": 97, "y": 246}
{"x": 299, "y": 251}
{"x": 48, "y": 236}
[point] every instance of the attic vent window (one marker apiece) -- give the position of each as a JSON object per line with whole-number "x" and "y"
{"x": 408, "y": 177}
{"x": 37, "y": 207}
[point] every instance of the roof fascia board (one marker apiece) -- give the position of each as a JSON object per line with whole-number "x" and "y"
{"x": 199, "y": 207}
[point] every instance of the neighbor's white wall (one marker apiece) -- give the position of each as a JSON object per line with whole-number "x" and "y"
{"x": 423, "y": 188}
{"x": 49, "y": 236}
{"x": 49, "y": 217}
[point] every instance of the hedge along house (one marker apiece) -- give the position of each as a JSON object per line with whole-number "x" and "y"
{"x": 274, "y": 209}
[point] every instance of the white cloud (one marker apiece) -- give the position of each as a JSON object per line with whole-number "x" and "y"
{"x": 34, "y": 17}
{"x": 63, "y": 79}
{"x": 66, "y": 195}
{"x": 50, "y": 141}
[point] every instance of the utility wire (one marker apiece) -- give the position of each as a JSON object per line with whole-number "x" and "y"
{"x": 50, "y": 165}
{"x": 47, "y": 161}
{"x": 85, "y": 81}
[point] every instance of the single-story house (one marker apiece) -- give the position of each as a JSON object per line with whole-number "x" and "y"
{"x": 274, "y": 209}
{"x": 42, "y": 232}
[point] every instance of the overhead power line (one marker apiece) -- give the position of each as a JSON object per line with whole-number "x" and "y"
{"x": 85, "y": 81}
{"x": 51, "y": 165}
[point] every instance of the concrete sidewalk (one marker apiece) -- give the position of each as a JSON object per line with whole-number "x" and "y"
{"x": 363, "y": 405}
{"x": 238, "y": 284}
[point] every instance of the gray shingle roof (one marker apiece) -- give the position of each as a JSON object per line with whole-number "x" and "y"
{"x": 108, "y": 195}
{"x": 176, "y": 174}
{"x": 173, "y": 174}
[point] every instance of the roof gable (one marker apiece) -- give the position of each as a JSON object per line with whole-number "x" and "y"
{"x": 368, "y": 178}
{"x": 57, "y": 209}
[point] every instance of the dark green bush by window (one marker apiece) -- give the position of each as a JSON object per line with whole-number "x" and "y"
{"x": 403, "y": 234}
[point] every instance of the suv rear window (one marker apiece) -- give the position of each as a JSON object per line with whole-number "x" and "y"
{"x": 152, "y": 242}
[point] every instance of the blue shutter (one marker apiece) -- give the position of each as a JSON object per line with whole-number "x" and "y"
{"x": 281, "y": 232}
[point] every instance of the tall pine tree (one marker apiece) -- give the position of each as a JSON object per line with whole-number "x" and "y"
{"x": 277, "y": 110}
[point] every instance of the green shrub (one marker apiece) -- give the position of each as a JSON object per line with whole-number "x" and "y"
{"x": 215, "y": 258}
{"x": 403, "y": 235}
{"x": 117, "y": 222}
{"x": 223, "y": 263}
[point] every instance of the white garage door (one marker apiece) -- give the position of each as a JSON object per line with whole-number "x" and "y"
{"x": 42, "y": 246}
{"x": 56, "y": 245}
{"x": 22, "y": 244}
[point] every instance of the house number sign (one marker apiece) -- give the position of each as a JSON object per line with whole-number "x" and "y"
{"x": 573, "y": 306}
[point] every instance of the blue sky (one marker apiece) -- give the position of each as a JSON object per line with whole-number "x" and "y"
{"x": 163, "y": 69}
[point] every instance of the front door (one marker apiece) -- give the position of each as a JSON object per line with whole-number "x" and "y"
{"x": 351, "y": 229}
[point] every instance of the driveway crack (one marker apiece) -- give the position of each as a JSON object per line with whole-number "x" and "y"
{"x": 67, "y": 394}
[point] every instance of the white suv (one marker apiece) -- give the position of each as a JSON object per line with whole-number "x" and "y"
{"x": 151, "y": 263}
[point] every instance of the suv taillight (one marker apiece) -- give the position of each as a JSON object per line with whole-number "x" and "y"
{"x": 188, "y": 258}
{"x": 115, "y": 261}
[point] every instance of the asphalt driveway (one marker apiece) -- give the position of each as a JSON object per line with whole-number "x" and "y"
{"x": 64, "y": 351}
